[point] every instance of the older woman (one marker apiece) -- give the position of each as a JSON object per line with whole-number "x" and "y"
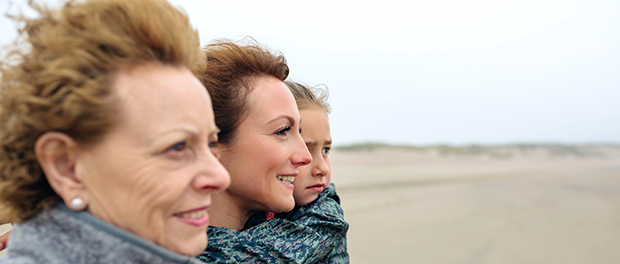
{"x": 106, "y": 136}
{"x": 262, "y": 148}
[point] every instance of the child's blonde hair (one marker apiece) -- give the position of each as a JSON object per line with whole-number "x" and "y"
{"x": 306, "y": 96}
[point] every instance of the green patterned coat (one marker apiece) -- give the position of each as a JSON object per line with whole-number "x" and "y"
{"x": 313, "y": 233}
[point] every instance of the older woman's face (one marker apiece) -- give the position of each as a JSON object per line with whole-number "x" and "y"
{"x": 267, "y": 150}
{"x": 153, "y": 174}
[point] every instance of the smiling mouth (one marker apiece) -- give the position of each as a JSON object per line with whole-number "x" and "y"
{"x": 197, "y": 218}
{"x": 193, "y": 215}
{"x": 286, "y": 179}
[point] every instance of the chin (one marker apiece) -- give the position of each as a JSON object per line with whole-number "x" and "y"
{"x": 284, "y": 207}
{"x": 190, "y": 249}
{"x": 195, "y": 250}
{"x": 305, "y": 200}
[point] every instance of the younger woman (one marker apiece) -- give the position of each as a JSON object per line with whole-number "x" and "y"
{"x": 315, "y": 231}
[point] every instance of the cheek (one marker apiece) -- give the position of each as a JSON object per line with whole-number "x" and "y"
{"x": 299, "y": 182}
{"x": 154, "y": 197}
{"x": 249, "y": 158}
{"x": 158, "y": 187}
{"x": 328, "y": 177}
{"x": 276, "y": 156}
{"x": 243, "y": 173}
{"x": 299, "y": 190}
{"x": 110, "y": 182}
{"x": 305, "y": 171}
{"x": 150, "y": 191}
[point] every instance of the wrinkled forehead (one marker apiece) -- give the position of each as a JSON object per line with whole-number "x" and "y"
{"x": 153, "y": 93}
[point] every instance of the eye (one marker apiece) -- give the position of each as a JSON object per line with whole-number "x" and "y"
{"x": 282, "y": 131}
{"x": 213, "y": 143}
{"x": 178, "y": 147}
{"x": 325, "y": 150}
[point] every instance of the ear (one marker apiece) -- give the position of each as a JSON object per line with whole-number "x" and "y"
{"x": 57, "y": 153}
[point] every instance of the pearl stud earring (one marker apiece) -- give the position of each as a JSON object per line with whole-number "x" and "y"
{"x": 77, "y": 204}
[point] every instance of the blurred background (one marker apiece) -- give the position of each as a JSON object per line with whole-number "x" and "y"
{"x": 445, "y": 71}
{"x": 471, "y": 131}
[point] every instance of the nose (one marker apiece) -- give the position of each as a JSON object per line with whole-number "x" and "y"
{"x": 212, "y": 175}
{"x": 301, "y": 156}
{"x": 321, "y": 168}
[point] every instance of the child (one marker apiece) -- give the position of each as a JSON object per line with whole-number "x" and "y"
{"x": 313, "y": 232}
{"x": 313, "y": 108}
{"x": 315, "y": 177}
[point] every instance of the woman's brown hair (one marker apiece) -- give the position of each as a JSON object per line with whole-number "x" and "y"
{"x": 232, "y": 70}
{"x": 62, "y": 81}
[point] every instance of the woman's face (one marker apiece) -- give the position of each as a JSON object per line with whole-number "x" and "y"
{"x": 315, "y": 177}
{"x": 264, "y": 156}
{"x": 153, "y": 174}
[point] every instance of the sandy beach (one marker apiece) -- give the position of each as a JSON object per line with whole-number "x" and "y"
{"x": 409, "y": 207}
{"x": 424, "y": 207}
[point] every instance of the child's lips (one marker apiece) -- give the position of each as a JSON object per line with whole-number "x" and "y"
{"x": 316, "y": 187}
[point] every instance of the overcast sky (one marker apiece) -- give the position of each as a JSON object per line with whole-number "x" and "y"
{"x": 441, "y": 71}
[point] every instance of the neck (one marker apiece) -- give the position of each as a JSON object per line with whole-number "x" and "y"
{"x": 226, "y": 212}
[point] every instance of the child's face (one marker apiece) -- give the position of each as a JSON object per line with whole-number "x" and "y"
{"x": 314, "y": 177}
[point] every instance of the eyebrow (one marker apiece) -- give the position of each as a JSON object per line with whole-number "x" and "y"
{"x": 314, "y": 143}
{"x": 290, "y": 119}
{"x": 311, "y": 143}
{"x": 161, "y": 137}
{"x": 189, "y": 130}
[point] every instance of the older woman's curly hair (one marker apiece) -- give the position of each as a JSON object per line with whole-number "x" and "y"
{"x": 62, "y": 81}
{"x": 233, "y": 69}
